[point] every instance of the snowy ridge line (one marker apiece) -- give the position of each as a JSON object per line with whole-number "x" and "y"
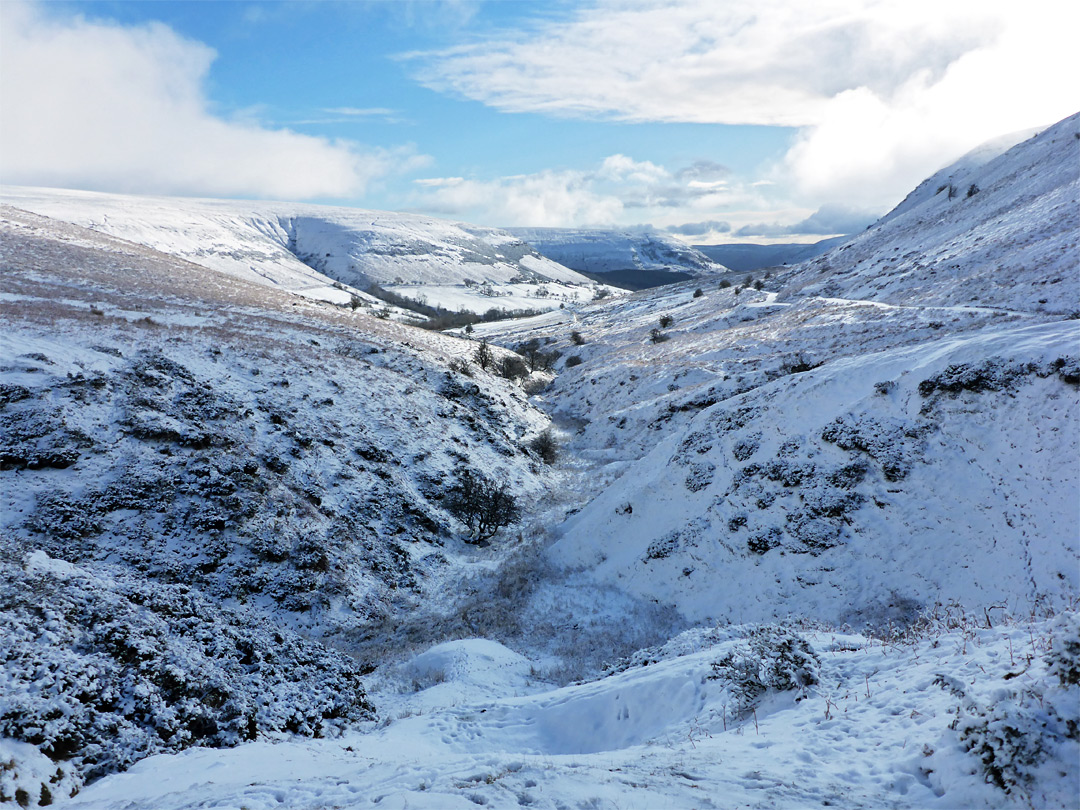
{"x": 602, "y": 252}
{"x": 999, "y": 232}
{"x": 325, "y": 252}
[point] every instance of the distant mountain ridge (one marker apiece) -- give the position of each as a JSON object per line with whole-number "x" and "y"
{"x": 632, "y": 259}
{"x": 748, "y": 257}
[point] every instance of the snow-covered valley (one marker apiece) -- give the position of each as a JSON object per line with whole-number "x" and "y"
{"x": 811, "y": 538}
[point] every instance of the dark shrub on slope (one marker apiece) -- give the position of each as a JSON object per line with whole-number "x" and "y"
{"x": 102, "y": 671}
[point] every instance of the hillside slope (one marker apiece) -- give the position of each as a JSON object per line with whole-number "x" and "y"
{"x": 746, "y": 257}
{"x": 209, "y": 487}
{"x": 1003, "y": 233}
{"x": 859, "y": 440}
{"x": 315, "y": 250}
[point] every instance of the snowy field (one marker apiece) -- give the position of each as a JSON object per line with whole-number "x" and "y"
{"x": 876, "y": 728}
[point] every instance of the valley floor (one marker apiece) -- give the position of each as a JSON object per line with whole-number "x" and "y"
{"x": 880, "y": 728}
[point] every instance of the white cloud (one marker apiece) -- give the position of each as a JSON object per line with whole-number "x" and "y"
{"x": 870, "y": 151}
{"x": 619, "y": 191}
{"x": 828, "y": 220}
{"x": 621, "y": 168}
{"x": 884, "y": 91}
{"x": 711, "y": 226}
{"x": 123, "y": 108}
{"x": 544, "y": 199}
{"x": 362, "y": 112}
{"x": 772, "y": 62}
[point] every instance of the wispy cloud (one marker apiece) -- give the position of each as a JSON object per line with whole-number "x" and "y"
{"x": 361, "y": 112}
{"x": 104, "y": 106}
{"x": 884, "y": 91}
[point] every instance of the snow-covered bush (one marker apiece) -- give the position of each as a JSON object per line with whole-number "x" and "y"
{"x": 1025, "y": 736}
{"x": 996, "y": 374}
{"x": 99, "y": 671}
{"x": 770, "y": 659}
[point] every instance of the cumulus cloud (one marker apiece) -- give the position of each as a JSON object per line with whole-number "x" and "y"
{"x": 544, "y": 199}
{"x": 102, "y": 106}
{"x": 700, "y": 228}
{"x": 884, "y": 91}
{"x": 618, "y": 188}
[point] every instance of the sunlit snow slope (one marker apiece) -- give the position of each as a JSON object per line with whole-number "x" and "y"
{"x": 309, "y": 248}
{"x": 998, "y": 231}
{"x": 888, "y": 427}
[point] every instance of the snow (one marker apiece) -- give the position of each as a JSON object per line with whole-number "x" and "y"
{"x": 812, "y": 541}
{"x": 912, "y": 547}
{"x": 1011, "y": 243}
{"x": 874, "y": 732}
{"x": 40, "y": 561}
{"x": 315, "y": 250}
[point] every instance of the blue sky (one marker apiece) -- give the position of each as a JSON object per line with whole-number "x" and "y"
{"x": 732, "y": 120}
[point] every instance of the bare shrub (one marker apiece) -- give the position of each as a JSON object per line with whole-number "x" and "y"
{"x": 513, "y": 367}
{"x": 484, "y": 357}
{"x": 482, "y": 505}
{"x": 545, "y": 447}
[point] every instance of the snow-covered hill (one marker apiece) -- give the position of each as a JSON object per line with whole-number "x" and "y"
{"x": 811, "y": 450}
{"x": 326, "y": 252}
{"x": 633, "y": 259}
{"x": 206, "y": 483}
{"x": 1001, "y": 231}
